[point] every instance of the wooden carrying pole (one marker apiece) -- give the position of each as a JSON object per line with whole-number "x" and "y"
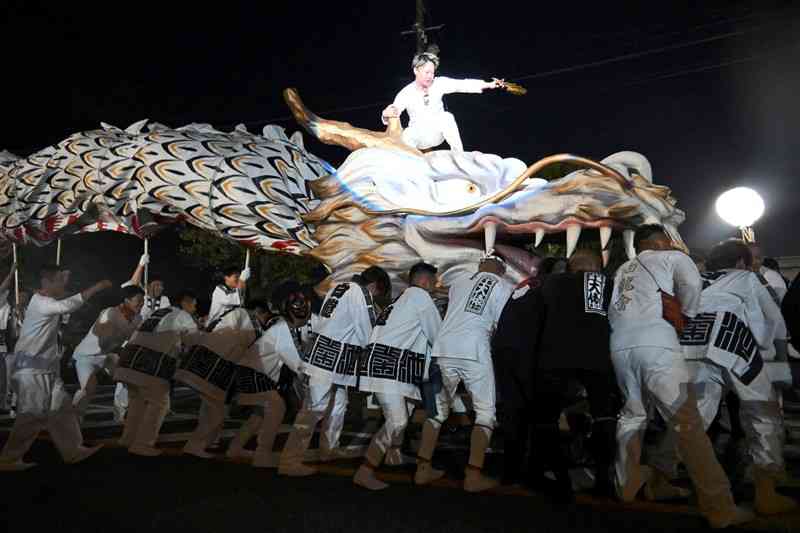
{"x": 16, "y": 275}
{"x": 146, "y": 267}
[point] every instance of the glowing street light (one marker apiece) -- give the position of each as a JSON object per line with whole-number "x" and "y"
{"x": 741, "y": 207}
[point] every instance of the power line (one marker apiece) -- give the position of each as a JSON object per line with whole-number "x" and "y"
{"x": 564, "y": 70}
{"x": 705, "y": 68}
{"x": 635, "y": 55}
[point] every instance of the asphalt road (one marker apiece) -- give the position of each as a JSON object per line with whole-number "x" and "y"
{"x": 116, "y": 492}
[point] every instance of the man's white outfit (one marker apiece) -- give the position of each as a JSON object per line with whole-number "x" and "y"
{"x": 775, "y": 281}
{"x": 429, "y": 124}
{"x": 210, "y": 368}
{"x": 98, "y": 351}
{"x": 146, "y": 366}
{"x": 7, "y": 359}
{"x": 222, "y": 299}
{"x": 392, "y": 366}
{"x": 257, "y": 385}
{"x": 463, "y": 353}
{"x": 331, "y": 360}
{"x": 651, "y": 370}
{"x": 734, "y": 332}
{"x": 43, "y": 402}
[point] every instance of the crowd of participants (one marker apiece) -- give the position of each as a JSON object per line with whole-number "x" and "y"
{"x": 657, "y": 348}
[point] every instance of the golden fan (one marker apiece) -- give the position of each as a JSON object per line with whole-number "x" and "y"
{"x": 514, "y": 88}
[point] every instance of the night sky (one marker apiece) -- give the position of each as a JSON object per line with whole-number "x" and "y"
{"x": 709, "y": 94}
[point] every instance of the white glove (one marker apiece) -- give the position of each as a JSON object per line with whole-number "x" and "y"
{"x": 245, "y": 275}
{"x": 144, "y": 260}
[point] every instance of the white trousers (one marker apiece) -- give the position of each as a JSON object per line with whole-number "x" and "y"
{"x": 6, "y": 370}
{"x": 478, "y": 379}
{"x": 121, "y": 400}
{"x": 87, "y": 368}
{"x": 760, "y": 411}
{"x": 148, "y": 403}
{"x": 43, "y": 403}
{"x": 210, "y": 422}
{"x": 323, "y": 401}
{"x": 433, "y": 132}
{"x": 659, "y": 377}
{"x": 390, "y": 435}
{"x": 264, "y": 423}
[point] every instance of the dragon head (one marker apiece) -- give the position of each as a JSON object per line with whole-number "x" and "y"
{"x": 393, "y": 209}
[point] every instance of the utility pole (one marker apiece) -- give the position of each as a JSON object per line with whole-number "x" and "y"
{"x": 419, "y": 29}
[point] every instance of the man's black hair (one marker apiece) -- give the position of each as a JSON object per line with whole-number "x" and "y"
{"x": 281, "y": 293}
{"x": 727, "y": 253}
{"x": 154, "y": 277}
{"x": 421, "y": 269}
{"x": 771, "y": 263}
{"x": 131, "y": 291}
{"x": 256, "y": 303}
{"x": 377, "y": 275}
{"x": 548, "y": 264}
{"x": 230, "y": 270}
{"x": 49, "y": 271}
{"x": 647, "y": 232}
{"x": 315, "y": 299}
{"x": 181, "y": 296}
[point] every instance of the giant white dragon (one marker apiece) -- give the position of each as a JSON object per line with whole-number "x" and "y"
{"x": 386, "y": 205}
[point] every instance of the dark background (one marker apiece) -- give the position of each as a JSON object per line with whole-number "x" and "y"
{"x": 706, "y": 90}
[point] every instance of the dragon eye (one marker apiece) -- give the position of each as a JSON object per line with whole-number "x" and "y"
{"x": 471, "y": 188}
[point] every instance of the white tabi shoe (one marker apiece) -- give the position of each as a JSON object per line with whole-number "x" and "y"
{"x": 297, "y": 470}
{"x": 197, "y": 452}
{"x": 84, "y": 452}
{"x": 336, "y": 454}
{"x": 732, "y": 517}
{"x": 658, "y": 488}
{"x": 426, "y": 474}
{"x": 365, "y": 477}
{"x": 475, "y": 481}
{"x": 15, "y": 466}
{"x": 239, "y": 453}
{"x": 144, "y": 451}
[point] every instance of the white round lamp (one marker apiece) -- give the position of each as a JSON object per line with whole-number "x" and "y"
{"x": 741, "y": 207}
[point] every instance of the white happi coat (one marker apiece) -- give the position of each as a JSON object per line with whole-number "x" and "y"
{"x": 154, "y": 348}
{"x": 737, "y": 325}
{"x": 412, "y": 100}
{"x": 260, "y": 369}
{"x": 635, "y": 313}
{"x": 107, "y": 334}
{"x": 396, "y": 358}
{"x": 429, "y": 124}
{"x": 341, "y": 331}
{"x": 37, "y": 350}
{"x": 222, "y": 299}
{"x": 211, "y": 363}
{"x": 5, "y": 321}
{"x": 151, "y": 305}
{"x": 476, "y": 304}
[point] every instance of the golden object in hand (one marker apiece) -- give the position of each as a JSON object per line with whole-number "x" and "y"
{"x": 514, "y": 88}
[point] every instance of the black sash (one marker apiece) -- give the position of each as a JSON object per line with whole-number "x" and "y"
{"x": 388, "y": 362}
{"x": 210, "y": 367}
{"x": 332, "y": 355}
{"x": 146, "y": 361}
